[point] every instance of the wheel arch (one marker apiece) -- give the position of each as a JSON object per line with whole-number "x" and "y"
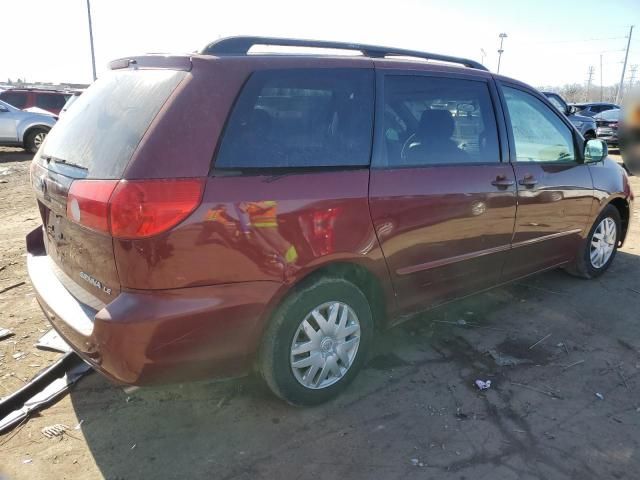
{"x": 31, "y": 128}
{"x": 353, "y": 271}
{"x": 623, "y": 207}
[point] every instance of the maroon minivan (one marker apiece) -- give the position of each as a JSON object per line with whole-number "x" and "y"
{"x": 209, "y": 214}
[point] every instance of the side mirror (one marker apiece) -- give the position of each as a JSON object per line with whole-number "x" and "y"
{"x": 571, "y": 109}
{"x": 595, "y": 150}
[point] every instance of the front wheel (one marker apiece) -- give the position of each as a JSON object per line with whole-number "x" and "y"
{"x": 317, "y": 341}
{"x": 601, "y": 245}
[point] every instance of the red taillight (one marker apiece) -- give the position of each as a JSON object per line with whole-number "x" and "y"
{"x": 147, "y": 207}
{"x": 88, "y": 203}
{"x": 133, "y": 209}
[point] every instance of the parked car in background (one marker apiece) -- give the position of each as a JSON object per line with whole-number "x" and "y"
{"x": 585, "y": 125}
{"x": 275, "y": 212}
{"x": 23, "y": 129}
{"x": 23, "y": 98}
{"x": 607, "y": 126}
{"x": 70, "y": 101}
{"x": 593, "y": 108}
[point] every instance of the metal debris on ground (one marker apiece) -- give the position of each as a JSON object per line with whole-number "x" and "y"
{"x": 573, "y": 364}
{"x": 5, "y": 333}
{"x": 483, "y": 385}
{"x": 42, "y": 390}
{"x": 540, "y": 341}
{"x": 56, "y": 430}
{"x": 52, "y": 341}
{"x": 11, "y": 287}
{"x": 600, "y": 396}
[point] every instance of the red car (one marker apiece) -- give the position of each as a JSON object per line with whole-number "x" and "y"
{"x": 208, "y": 215}
{"x": 50, "y": 100}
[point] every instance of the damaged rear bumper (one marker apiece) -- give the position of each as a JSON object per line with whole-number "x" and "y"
{"x": 156, "y": 336}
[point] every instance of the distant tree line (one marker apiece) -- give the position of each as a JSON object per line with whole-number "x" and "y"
{"x": 578, "y": 93}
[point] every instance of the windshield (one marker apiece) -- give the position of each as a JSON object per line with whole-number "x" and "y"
{"x": 106, "y": 123}
{"x": 609, "y": 115}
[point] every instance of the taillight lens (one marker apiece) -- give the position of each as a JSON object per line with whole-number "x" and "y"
{"x": 147, "y": 207}
{"x": 133, "y": 209}
{"x": 88, "y": 203}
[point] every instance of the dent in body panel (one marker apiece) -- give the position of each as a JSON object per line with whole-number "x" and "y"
{"x": 259, "y": 227}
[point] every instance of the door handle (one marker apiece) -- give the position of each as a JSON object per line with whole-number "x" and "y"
{"x": 528, "y": 181}
{"x": 502, "y": 182}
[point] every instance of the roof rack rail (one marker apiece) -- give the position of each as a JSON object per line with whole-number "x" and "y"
{"x": 242, "y": 45}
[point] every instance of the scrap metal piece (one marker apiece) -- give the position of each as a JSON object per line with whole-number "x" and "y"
{"x": 5, "y": 333}
{"x": 53, "y": 342}
{"x": 46, "y": 387}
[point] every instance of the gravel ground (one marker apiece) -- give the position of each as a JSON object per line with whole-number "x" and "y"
{"x": 413, "y": 413}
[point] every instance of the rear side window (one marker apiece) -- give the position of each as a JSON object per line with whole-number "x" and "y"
{"x": 17, "y": 99}
{"x": 435, "y": 120}
{"x": 50, "y": 101}
{"x": 102, "y": 130}
{"x": 300, "y": 118}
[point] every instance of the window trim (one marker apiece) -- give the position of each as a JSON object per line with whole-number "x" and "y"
{"x": 277, "y": 172}
{"x": 577, "y": 145}
{"x": 379, "y": 149}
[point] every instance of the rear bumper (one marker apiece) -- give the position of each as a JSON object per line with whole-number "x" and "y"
{"x": 157, "y": 336}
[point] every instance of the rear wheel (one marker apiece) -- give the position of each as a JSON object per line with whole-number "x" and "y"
{"x": 34, "y": 139}
{"x": 317, "y": 341}
{"x": 601, "y": 245}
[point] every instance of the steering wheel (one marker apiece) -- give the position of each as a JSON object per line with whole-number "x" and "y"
{"x": 406, "y": 146}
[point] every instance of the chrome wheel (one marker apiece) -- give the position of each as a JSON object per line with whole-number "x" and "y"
{"x": 603, "y": 242}
{"x": 325, "y": 345}
{"x": 38, "y": 139}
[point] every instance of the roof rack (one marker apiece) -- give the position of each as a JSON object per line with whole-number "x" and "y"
{"x": 242, "y": 45}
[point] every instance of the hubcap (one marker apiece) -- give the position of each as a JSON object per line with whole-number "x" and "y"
{"x": 38, "y": 139}
{"x": 603, "y": 242}
{"x": 325, "y": 345}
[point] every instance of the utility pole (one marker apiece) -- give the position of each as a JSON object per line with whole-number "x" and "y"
{"x": 624, "y": 67}
{"x": 591, "y": 71}
{"x": 601, "y": 86}
{"x": 482, "y": 55}
{"x": 93, "y": 55}
{"x": 502, "y": 37}
{"x": 632, "y": 80}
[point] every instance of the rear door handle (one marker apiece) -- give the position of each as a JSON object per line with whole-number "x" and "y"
{"x": 502, "y": 182}
{"x": 528, "y": 181}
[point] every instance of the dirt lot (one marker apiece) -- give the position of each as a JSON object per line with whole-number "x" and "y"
{"x": 413, "y": 413}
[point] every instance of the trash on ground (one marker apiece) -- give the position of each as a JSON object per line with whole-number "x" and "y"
{"x": 52, "y": 341}
{"x": 600, "y": 396}
{"x": 5, "y": 333}
{"x": 56, "y": 430}
{"x": 79, "y": 425}
{"x": 416, "y": 463}
{"x": 507, "y": 360}
{"x": 19, "y": 355}
{"x": 482, "y": 385}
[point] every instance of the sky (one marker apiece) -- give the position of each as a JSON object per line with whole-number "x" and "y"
{"x": 549, "y": 42}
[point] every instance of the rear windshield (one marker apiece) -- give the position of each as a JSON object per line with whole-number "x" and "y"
{"x": 102, "y": 130}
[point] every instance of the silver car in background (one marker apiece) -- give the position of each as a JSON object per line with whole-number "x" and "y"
{"x": 23, "y": 129}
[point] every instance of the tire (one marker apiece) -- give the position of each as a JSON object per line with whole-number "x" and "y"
{"x": 34, "y": 139}
{"x": 319, "y": 352}
{"x": 584, "y": 265}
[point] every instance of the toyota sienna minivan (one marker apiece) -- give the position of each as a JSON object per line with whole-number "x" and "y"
{"x": 214, "y": 214}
